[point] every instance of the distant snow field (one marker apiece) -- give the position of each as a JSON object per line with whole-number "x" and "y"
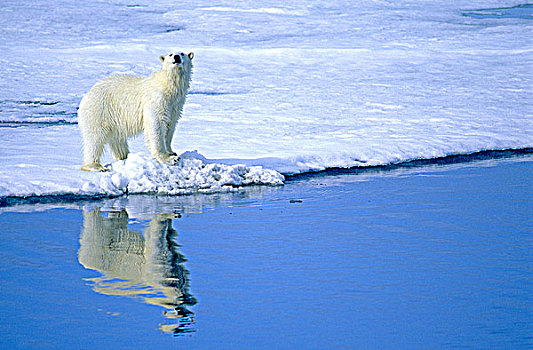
{"x": 277, "y": 89}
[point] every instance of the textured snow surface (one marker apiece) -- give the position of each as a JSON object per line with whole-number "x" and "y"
{"x": 292, "y": 87}
{"x": 193, "y": 173}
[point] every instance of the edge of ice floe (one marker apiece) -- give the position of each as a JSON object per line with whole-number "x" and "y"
{"x": 193, "y": 174}
{"x": 139, "y": 174}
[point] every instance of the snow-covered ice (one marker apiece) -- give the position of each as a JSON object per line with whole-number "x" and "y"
{"x": 277, "y": 87}
{"x": 194, "y": 173}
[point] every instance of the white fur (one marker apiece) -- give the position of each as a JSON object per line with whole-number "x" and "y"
{"x": 122, "y": 106}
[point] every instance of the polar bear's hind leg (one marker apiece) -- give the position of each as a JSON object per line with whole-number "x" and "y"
{"x": 94, "y": 167}
{"x": 120, "y": 149}
{"x": 91, "y": 156}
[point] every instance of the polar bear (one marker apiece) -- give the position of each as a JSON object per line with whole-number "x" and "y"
{"x": 122, "y": 106}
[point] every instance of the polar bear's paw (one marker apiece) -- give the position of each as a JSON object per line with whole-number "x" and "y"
{"x": 171, "y": 160}
{"x": 94, "y": 167}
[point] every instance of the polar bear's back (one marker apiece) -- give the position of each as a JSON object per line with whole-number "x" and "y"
{"x": 113, "y": 103}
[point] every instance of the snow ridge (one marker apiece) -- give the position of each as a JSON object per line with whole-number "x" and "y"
{"x": 141, "y": 174}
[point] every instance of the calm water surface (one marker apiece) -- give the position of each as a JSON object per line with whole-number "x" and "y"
{"x": 413, "y": 259}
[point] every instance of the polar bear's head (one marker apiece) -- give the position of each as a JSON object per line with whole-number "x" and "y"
{"x": 179, "y": 62}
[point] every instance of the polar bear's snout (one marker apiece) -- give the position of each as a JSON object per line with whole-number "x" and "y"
{"x": 177, "y": 59}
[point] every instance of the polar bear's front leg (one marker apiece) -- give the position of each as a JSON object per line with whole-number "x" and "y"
{"x": 168, "y": 138}
{"x": 154, "y": 137}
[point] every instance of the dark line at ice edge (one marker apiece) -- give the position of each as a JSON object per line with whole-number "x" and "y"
{"x": 8, "y": 201}
{"x": 19, "y": 123}
{"x": 415, "y": 163}
{"x": 523, "y": 11}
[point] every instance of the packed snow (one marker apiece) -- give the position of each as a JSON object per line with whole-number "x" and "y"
{"x": 279, "y": 88}
{"x": 139, "y": 174}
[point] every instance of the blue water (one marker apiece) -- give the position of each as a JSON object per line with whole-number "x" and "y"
{"x": 431, "y": 257}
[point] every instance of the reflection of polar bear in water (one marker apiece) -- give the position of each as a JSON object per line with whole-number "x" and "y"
{"x": 122, "y": 106}
{"x": 133, "y": 265}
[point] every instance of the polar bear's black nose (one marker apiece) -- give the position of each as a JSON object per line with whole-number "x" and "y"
{"x": 177, "y": 59}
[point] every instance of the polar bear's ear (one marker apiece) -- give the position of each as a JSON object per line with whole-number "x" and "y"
{"x": 162, "y": 58}
{"x": 191, "y": 55}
